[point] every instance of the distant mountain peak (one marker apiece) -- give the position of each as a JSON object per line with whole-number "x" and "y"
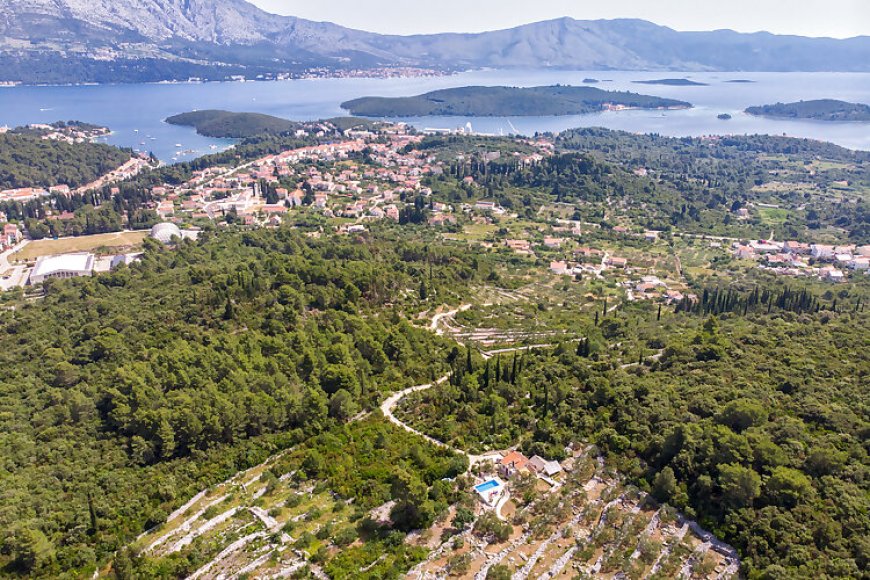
{"x": 238, "y": 35}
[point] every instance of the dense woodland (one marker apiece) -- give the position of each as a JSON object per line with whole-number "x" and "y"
{"x": 755, "y": 424}
{"x": 123, "y": 394}
{"x": 28, "y": 161}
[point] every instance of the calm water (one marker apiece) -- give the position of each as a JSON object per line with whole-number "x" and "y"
{"x": 136, "y": 112}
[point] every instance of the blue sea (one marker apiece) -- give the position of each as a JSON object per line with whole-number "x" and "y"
{"x": 136, "y": 112}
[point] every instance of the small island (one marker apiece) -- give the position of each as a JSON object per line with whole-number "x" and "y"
{"x": 229, "y": 125}
{"x": 508, "y": 102}
{"x": 723, "y": 117}
{"x": 740, "y": 81}
{"x": 673, "y": 83}
{"x": 818, "y": 110}
{"x": 591, "y": 81}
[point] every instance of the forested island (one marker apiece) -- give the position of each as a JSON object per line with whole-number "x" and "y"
{"x": 232, "y": 125}
{"x": 508, "y": 102}
{"x": 672, "y": 83}
{"x": 225, "y": 124}
{"x": 819, "y": 110}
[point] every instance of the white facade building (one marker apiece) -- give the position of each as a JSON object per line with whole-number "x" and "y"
{"x": 62, "y": 266}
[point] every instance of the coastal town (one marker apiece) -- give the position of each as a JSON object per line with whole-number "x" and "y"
{"x": 380, "y": 172}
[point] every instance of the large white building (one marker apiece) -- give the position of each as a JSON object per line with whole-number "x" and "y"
{"x": 62, "y": 266}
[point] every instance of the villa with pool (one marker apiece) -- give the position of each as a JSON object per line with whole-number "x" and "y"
{"x": 490, "y": 491}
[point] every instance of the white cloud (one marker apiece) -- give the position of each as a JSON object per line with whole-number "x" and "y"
{"x": 837, "y": 18}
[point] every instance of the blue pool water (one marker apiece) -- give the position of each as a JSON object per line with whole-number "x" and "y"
{"x": 491, "y": 484}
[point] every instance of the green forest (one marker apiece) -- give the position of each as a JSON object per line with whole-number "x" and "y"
{"x": 755, "y": 424}
{"x": 744, "y": 405}
{"x": 124, "y": 394}
{"x": 28, "y": 161}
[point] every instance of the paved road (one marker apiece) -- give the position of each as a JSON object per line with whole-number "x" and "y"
{"x": 438, "y": 318}
{"x": 389, "y": 405}
{"x": 12, "y": 275}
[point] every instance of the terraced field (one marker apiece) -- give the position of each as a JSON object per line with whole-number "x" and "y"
{"x": 588, "y": 525}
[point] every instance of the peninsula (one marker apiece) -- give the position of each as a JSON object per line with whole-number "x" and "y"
{"x": 508, "y": 102}
{"x": 819, "y": 110}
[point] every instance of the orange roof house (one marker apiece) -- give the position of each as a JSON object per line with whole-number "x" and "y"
{"x": 513, "y": 463}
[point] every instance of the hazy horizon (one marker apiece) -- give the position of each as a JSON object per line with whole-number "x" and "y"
{"x": 842, "y": 18}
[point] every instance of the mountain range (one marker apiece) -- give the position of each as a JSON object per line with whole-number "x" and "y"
{"x": 125, "y": 40}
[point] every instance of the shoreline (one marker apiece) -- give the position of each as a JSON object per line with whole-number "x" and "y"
{"x": 808, "y": 119}
{"x": 371, "y": 74}
{"x": 368, "y": 74}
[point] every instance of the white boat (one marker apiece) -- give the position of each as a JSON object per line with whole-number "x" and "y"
{"x": 178, "y": 144}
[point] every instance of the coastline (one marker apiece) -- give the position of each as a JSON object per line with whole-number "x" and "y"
{"x": 809, "y": 119}
{"x": 376, "y": 73}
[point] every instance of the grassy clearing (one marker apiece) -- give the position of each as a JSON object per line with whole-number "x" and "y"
{"x": 773, "y": 216}
{"x": 99, "y": 243}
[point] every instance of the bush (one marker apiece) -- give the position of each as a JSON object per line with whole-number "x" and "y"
{"x": 345, "y": 537}
{"x": 460, "y": 564}
{"x": 499, "y": 572}
{"x": 489, "y": 526}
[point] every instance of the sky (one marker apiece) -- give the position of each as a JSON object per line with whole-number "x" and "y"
{"x": 833, "y": 18}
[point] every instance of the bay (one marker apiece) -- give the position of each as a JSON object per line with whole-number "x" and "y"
{"x": 136, "y": 112}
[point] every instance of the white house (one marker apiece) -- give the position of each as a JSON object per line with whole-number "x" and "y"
{"x": 822, "y": 252}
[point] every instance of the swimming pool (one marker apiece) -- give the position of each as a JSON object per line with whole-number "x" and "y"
{"x": 486, "y": 486}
